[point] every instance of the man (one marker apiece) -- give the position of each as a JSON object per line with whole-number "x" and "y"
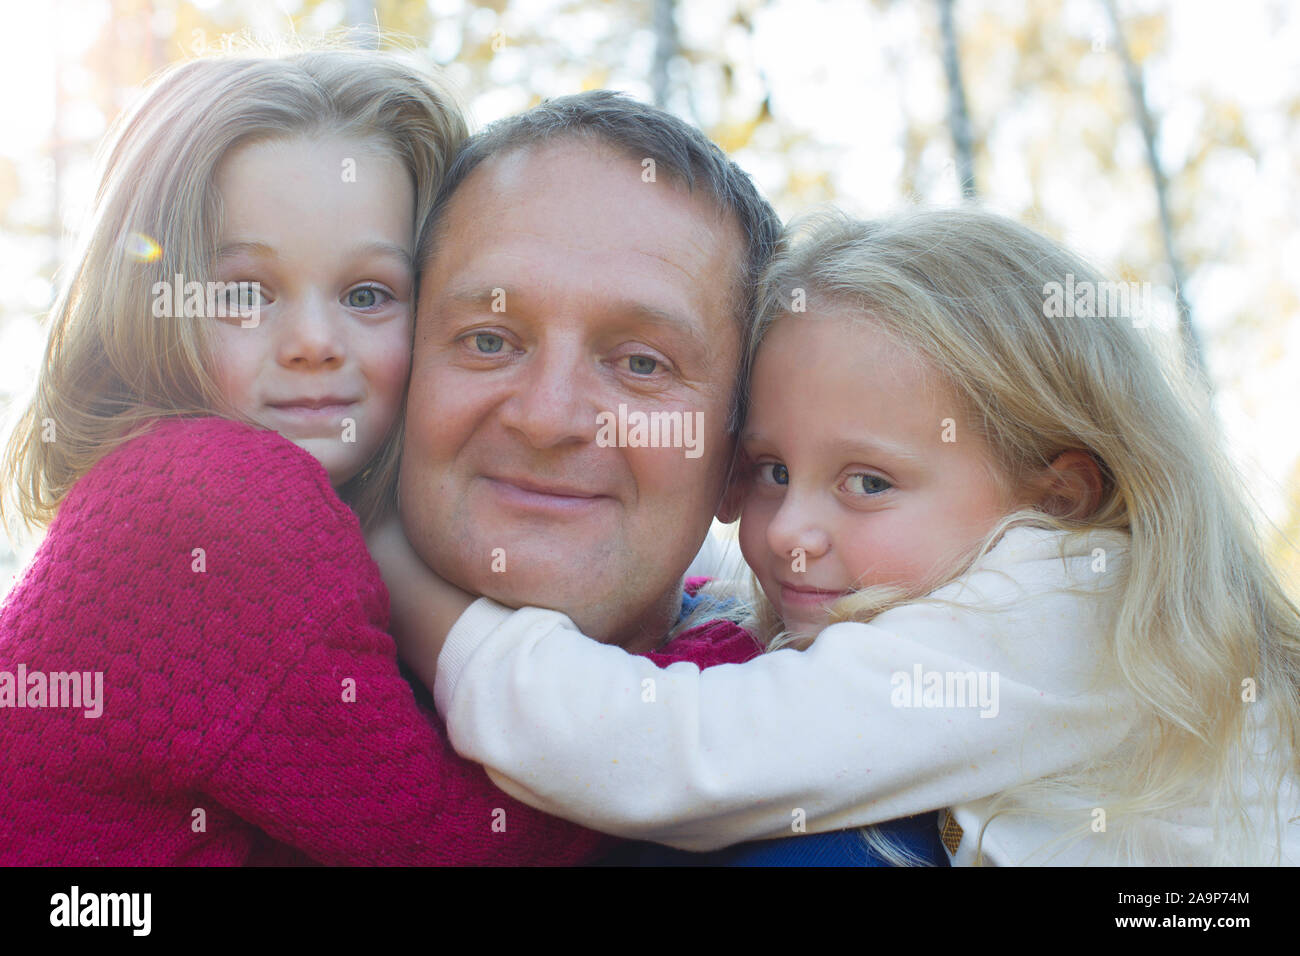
{"x": 589, "y": 259}
{"x": 593, "y": 260}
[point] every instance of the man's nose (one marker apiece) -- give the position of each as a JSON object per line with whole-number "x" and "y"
{"x": 311, "y": 333}
{"x": 549, "y": 404}
{"x": 799, "y": 526}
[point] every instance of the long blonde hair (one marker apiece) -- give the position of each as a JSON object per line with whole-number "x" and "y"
{"x": 109, "y": 365}
{"x": 1200, "y": 611}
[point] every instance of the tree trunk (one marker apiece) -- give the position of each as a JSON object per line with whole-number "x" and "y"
{"x": 665, "y": 29}
{"x": 958, "y": 115}
{"x": 363, "y": 26}
{"x": 1193, "y": 349}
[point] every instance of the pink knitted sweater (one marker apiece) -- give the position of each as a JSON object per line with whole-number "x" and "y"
{"x": 252, "y": 708}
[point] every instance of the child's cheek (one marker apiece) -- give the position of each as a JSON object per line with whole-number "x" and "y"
{"x": 902, "y": 549}
{"x": 755, "y": 516}
{"x": 390, "y": 374}
{"x": 234, "y": 368}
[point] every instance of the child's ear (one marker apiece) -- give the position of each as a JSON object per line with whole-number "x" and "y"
{"x": 1071, "y": 486}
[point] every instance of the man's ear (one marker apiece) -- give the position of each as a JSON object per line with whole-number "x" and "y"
{"x": 1071, "y": 486}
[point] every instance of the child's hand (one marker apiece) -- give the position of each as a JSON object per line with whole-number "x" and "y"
{"x": 423, "y": 606}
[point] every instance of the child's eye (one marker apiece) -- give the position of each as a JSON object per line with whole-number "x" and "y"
{"x": 863, "y": 484}
{"x": 244, "y": 295}
{"x": 365, "y": 297}
{"x": 772, "y": 473}
{"x": 238, "y": 300}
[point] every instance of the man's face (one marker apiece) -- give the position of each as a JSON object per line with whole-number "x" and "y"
{"x": 563, "y": 286}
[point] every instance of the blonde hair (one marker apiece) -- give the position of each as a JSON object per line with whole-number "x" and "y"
{"x": 109, "y": 365}
{"x": 1199, "y": 610}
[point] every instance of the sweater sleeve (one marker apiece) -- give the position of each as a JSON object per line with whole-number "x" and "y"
{"x": 248, "y": 622}
{"x": 850, "y": 732}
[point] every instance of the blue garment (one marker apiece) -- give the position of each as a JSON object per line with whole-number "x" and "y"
{"x": 919, "y": 834}
{"x": 691, "y": 603}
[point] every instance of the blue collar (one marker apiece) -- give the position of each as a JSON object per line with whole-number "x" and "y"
{"x": 689, "y": 605}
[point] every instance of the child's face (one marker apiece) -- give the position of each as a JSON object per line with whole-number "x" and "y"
{"x": 325, "y": 226}
{"x": 847, "y": 461}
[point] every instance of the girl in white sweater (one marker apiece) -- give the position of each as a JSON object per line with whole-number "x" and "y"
{"x": 1004, "y": 573}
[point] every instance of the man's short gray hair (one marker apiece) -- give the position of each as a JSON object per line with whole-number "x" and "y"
{"x": 678, "y": 149}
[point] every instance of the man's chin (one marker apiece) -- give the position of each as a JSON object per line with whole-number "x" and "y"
{"x": 603, "y": 598}
{"x": 516, "y": 591}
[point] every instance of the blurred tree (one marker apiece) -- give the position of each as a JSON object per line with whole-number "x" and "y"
{"x": 958, "y": 112}
{"x": 665, "y": 30}
{"x": 362, "y": 21}
{"x": 1192, "y": 347}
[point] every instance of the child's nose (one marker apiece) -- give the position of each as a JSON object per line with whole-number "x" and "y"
{"x": 311, "y": 335}
{"x": 797, "y": 528}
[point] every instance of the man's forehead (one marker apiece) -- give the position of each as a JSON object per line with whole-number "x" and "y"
{"x": 584, "y": 169}
{"x": 529, "y": 216}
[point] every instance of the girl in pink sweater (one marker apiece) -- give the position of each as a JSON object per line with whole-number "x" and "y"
{"x": 194, "y": 668}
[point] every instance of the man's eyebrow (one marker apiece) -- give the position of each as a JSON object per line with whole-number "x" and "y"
{"x": 475, "y": 296}
{"x": 625, "y": 309}
{"x": 674, "y": 321}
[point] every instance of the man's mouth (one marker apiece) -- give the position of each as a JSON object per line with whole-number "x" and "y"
{"x": 531, "y": 495}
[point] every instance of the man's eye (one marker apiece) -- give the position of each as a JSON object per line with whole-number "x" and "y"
{"x": 862, "y": 484}
{"x": 642, "y": 364}
{"x": 488, "y": 343}
{"x": 364, "y": 297}
{"x": 772, "y": 473}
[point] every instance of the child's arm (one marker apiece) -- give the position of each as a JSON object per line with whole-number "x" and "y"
{"x": 842, "y": 734}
